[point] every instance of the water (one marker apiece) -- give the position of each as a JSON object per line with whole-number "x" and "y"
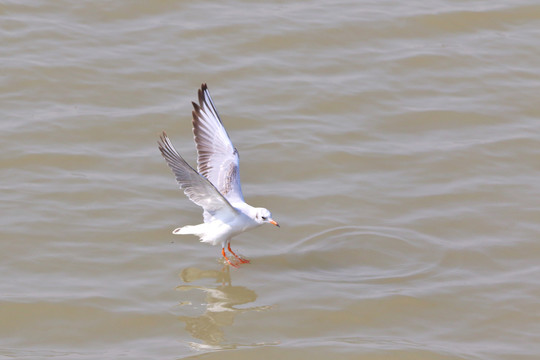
{"x": 397, "y": 144}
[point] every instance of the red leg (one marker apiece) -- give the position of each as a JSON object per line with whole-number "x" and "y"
{"x": 242, "y": 260}
{"x": 227, "y": 259}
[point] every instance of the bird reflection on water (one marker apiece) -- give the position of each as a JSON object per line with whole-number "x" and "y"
{"x": 221, "y": 307}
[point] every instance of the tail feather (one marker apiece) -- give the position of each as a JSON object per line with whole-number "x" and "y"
{"x": 200, "y": 230}
{"x": 189, "y": 229}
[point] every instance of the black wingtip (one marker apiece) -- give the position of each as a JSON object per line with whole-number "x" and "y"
{"x": 201, "y": 94}
{"x": 196, "y": 112}
{"x": 163, "y": 135}
{"x": 161, "y": 141}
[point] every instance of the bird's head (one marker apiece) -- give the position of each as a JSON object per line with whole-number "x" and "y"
{"x": 263, "y": 216}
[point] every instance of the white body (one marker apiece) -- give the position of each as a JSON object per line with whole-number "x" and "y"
{"x": 221, "y": 230}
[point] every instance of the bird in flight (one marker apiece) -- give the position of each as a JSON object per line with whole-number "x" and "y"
{"x": 215, "y": 185}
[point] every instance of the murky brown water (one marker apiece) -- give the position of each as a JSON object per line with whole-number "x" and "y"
{"x": 397, "y": 143}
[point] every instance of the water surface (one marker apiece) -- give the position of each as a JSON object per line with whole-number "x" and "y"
{"x": 396, "y": 143}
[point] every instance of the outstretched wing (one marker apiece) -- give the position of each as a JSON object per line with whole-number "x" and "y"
{"x": 197, "y": 188}
{"x": 217, "y": 158}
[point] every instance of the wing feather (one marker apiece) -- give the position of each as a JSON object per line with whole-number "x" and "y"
{"x": 217, "y": 158}
{"x": 196, "y": 187}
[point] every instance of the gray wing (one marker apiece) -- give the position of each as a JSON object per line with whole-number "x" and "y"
{"x": 197, "y": 188}
{"x": 217, "y": 158}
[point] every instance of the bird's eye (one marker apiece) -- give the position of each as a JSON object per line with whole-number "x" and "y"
{"x": 264, "y": 217}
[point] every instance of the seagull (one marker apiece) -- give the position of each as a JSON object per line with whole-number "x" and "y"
{"x": 215, "y": 185}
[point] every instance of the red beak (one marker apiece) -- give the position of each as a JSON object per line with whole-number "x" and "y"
{"x": 273, "y": 222}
